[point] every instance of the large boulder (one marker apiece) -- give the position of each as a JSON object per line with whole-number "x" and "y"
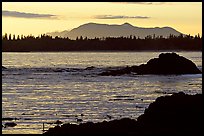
{"x": 167, "y": 63}
{"x": 176, "y": 114}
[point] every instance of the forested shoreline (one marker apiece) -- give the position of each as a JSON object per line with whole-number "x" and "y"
{"x": 46, "y": 43}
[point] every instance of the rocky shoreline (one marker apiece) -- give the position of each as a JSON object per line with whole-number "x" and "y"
{"x": 176, "y": 114}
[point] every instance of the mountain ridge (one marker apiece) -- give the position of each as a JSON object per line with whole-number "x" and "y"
{"x": 92, "y": 30}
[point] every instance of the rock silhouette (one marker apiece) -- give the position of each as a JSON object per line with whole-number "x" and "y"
{"x": 90, "y": 68}
{"x": 176, "y": 114}
{"x": 167, "y": 63}
{"x": 10, "y": 124}
{"x": 3, "y": 68}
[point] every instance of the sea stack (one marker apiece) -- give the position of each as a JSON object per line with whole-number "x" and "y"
{"x": 166, "y": 64}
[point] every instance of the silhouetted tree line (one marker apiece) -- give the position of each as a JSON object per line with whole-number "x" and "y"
{"x": 21, "y": 43}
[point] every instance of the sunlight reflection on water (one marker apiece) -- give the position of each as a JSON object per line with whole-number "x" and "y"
{"x": 34, "y": 92}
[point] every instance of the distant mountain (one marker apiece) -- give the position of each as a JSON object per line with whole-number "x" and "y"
{"x": 92, "y": 30}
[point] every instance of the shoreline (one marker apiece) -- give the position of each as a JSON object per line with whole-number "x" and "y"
{"x": 178, "y": 113}
{"x": 103, "y": 51}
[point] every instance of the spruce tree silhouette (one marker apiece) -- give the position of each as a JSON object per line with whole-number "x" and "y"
{"x": 130, "y": 43}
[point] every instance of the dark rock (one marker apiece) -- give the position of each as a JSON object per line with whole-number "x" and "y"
{"x": 58, "y": 122}
{"x": 7, "y": 119}
{"x": 118, "y": 72}
{"x": 109, "y": 116}
{"x": 178, "y": 114}
{"x": 3, "y": 119}
{"x": 112, "y": 127}
{"x": 10, "y": 124}
{"x": 167, "y": 63}
{"x": 90, "y": 68}
{"x": 27, "y": 114}
{"x": 137, "y": 106}
{"x": 3, "y": 68}
{"x": 79, "y": 120}
{"x": 27, "y": 119}
{"x": 175, "y": 114}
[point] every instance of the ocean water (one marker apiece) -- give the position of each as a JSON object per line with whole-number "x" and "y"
{"x": 42, "y": 88}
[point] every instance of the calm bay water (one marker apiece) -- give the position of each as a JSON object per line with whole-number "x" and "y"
{"x": 41, "y": 88}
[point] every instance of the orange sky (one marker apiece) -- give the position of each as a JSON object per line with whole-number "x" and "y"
{"x": 42, "y": 17}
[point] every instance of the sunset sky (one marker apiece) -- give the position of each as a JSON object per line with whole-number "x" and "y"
{"x": 41, "y": 17}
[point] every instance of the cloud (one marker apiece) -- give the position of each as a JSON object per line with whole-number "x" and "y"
{"x": 144, "y": 3}
{"x": 119, "y": 17}
{"x": 149, "y": 3}
{"x": 25, "y": 15}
